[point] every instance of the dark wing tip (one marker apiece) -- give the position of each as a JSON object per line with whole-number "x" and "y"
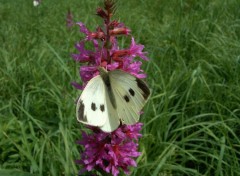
{"x": 81, "y": 116}
{"x": 143, "y": 86}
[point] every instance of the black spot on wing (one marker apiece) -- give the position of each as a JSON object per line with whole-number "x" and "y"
{"x": 145, "y": 90}
{"x": 81, "y": 112}
{"x": 93, "y": 106}
{"x": 126, "y": 98}
{"x": 131, "y": 92}
{"x": 102, "y": 108}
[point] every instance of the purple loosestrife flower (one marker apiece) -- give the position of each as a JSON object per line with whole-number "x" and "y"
{"x": 110, "y": 151}
{"x": 120, "y": 59}
{"x": 115, "y": 151}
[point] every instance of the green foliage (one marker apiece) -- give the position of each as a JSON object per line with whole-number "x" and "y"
{"x": 191, "y": 122}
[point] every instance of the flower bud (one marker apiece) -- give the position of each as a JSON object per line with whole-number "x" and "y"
{"x": 120, "y": 53}
{"x": 120, "y": 31}
{"x": 97, "y": 35}
{"x": 101, "y": 13}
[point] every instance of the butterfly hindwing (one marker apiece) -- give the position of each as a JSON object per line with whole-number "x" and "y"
{"x": 130, "y": 94}
{"x": 113, "y": 121}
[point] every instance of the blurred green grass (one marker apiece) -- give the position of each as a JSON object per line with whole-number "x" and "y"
{"x": 192, "y": 121}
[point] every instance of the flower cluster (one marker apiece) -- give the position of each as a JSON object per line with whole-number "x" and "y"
{"x": 103, "y": 151}
{"x": 106, "y": 52}
{"x": 110, "y": 151}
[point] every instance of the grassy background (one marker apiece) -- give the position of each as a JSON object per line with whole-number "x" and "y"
{"x": 192, "y": 121}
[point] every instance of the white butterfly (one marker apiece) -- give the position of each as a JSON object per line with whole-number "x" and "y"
{"x": 36, "y": 2}
{"x": 112, "y": 98}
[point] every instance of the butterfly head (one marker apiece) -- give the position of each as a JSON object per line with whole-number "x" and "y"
{"x": 102, "y": 70}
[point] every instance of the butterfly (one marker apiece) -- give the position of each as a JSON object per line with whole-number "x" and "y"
{"x": 112, "y": 98}
{"x": 36, "y": 2}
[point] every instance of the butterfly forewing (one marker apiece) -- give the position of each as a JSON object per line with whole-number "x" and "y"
{"x": 130, "y": 93}
{"x": 91, "y": 106}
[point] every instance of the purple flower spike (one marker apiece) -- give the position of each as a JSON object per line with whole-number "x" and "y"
{"x": 116, "y": 151}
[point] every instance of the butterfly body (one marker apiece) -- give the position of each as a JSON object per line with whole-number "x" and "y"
{"x": 112, "y": 98}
